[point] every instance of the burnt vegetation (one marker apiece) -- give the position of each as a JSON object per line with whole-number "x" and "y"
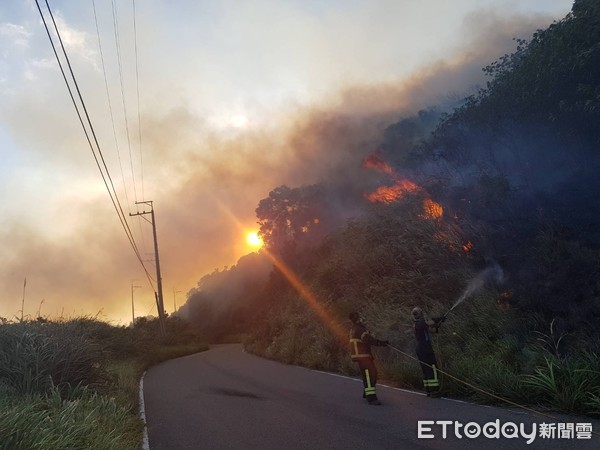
{"x": 508, "y": 177}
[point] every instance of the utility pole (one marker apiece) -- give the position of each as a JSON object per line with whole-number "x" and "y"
{"x": 159, "y": 294}
{"x": 132, "y": 307}
{"x": 174, "y": 303}
{"x": 23, "y": 301}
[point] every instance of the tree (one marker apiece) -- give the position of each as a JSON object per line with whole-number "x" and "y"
{"x": 552, "y": 79}
{"x": 292, "y": 217}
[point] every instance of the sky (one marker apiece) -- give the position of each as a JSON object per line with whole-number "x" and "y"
{"x": 224, "y": 101}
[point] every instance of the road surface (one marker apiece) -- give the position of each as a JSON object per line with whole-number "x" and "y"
{"x": 225, "y": 398}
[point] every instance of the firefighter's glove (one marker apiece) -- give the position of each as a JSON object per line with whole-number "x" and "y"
{"x": 439, "y": 320}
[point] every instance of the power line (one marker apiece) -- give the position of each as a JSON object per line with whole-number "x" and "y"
{"x": 112, "y": 119}
{"x": 115, "y": 16}
{"x": 119, "y": 62}
{"x": 137, "y": 84}
{"x": 96, "y": 152}
{"x": 115, "y": 23}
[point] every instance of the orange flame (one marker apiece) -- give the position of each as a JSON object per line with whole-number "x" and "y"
{"x": 389, "y": 194}
{"x": 374, "y": 161}
{"x": 468, "y": 246}
{"x": 433, "y": 210}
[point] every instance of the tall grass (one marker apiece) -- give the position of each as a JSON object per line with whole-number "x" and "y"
{"x": 74, "y": 384}
{"x": 36, "y": 357}
{"x": 571, "y": 385}
{"x": 84, "y": 419}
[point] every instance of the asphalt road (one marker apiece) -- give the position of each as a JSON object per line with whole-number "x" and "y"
{"x": 225, "y": 398}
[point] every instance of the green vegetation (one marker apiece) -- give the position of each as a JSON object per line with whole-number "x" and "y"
{"x": 515, "y": 170}
{"x": 568, "y": 382}
{"x": 508, "y": 178}
{"x": 74, "y": 384}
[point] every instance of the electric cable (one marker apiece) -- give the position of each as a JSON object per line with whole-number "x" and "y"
{"x": 118, "y": 46}
{"x": 124, "y": 103}
{"x": 120, "y": 64}
{"x": 113, "y": 194}
{"x": 112, "y": 118}
{"x": 137, "y": 84}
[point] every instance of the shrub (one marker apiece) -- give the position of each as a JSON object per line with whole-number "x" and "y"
{"x": 571, "y": 385}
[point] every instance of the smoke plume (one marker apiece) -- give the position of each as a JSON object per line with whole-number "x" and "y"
{"x": 205, "y": 182}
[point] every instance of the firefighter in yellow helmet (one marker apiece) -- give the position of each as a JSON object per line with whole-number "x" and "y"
{"x": 360, "y": 350}
{"x": 425, "y": 350}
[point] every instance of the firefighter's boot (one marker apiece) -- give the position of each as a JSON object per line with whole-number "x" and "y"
{"x": 373, "y": 400}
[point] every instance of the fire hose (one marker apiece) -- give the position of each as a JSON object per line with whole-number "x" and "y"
{"x": 442, "y": 318}
{"x": 438, "y": 320}
{"x": 477, "y": 388}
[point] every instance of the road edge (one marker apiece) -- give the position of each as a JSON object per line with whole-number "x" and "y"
{"x": 142, "y": 413}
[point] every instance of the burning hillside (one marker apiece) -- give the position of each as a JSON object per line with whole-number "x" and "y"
{"x": 400, "y": 188}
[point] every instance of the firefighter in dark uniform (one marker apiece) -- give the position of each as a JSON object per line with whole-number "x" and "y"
{"x": 425, "y": 352}
{"x": 360, "y": 350}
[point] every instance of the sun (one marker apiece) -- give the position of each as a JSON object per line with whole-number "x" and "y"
{"x": 254, "y": 240}
{"x": 239, "y": 121}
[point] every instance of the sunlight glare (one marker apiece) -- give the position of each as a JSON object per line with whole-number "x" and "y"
{"x": 254, "y": 240}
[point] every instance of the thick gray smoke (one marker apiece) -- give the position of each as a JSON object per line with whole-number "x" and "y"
{"x": 206, "y": 185}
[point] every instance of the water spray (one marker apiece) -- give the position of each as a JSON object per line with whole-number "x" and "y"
{"x": 448, "y": 312}
{"x": 493, "y": 273}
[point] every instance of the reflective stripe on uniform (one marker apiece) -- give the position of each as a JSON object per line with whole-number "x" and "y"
{"x": 368, "y": 378}
{"x": 432, "y": 382}
{"x": 369, "y": 389}
{"x": 354, "y": 343}
{"x": 435, "y": 380}
{"x": 355, "y": 354}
